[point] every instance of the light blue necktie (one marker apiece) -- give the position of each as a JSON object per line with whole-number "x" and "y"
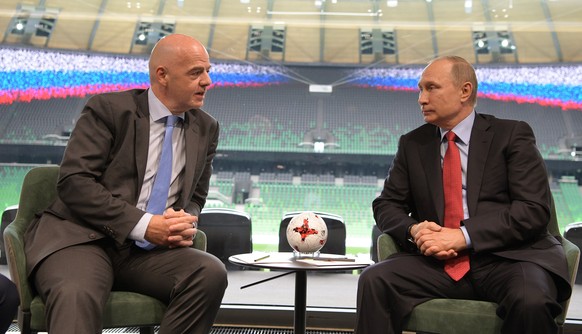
{"x": 159, "y": 196}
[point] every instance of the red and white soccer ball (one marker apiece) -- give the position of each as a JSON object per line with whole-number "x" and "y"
{"x": 307, "y": 232}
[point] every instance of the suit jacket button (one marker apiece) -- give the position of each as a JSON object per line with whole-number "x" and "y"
{"x": 92, "y": 236}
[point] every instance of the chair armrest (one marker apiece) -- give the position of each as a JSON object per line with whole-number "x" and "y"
{"x": 386, "y": 247}
{"x": 14, "y": 244}
{"x": 200, "y": 241}
{"x": 573, "y": 257}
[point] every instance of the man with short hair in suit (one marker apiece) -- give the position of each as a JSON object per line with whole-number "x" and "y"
{"x": 511, "y": 257}
{"x": 85, "y": 244}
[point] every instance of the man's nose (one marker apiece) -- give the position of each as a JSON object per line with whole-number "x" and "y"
{"x": 205, "y": 80}
{"x": 422, "y": 98}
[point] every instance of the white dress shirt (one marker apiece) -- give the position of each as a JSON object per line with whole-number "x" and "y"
{"x": 158, "y": 112}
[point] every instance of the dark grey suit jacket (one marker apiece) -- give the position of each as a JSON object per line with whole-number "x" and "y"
{"x": 102, "y": 172}
{"x": 507, "y": 193}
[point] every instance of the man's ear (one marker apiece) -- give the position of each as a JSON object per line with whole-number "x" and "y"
{"x": 161, "y": 75}
{"x": 466, "y": 91}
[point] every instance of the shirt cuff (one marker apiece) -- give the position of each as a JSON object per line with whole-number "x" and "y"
{"x": 138, "y": 232}
{"x": 467, "y": 238}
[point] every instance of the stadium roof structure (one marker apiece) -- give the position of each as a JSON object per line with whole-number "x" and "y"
{"x": 370, "y": 32}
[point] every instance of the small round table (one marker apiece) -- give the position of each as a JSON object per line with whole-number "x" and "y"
{"x": 287, "y": 261}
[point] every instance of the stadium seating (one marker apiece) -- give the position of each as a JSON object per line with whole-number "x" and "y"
{"x": 363, "y": 120}
{"x": 11, "y": 176}
{"x": 273, "y": 119}
{"x": 276, "y": 193}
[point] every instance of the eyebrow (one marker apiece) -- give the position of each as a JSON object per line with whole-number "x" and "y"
{"x": 199, "y": 68}
{"x": 426, "y": 82}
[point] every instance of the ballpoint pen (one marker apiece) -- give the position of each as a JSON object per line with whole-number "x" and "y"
{"x": 262, "y": 257}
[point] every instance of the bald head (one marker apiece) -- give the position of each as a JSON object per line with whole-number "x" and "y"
{"x": 178, "y": 69}
{"x": 173, "y": 49}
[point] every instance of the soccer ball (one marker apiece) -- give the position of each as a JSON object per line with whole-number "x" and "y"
{"x": 307, "y": 232}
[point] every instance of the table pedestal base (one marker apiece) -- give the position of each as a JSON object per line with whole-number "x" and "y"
{"x": 300, "y": 302}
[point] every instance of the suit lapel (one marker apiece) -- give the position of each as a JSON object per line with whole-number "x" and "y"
{"x": 192, "y": 139}
{"x": 430, "y": 154}
{"x": 479, "y": 145}
{"x": 142, "y": 137}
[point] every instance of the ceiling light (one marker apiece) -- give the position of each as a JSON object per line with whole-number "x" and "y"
{"x": 468, "y": 6}
{"x": 392, "y": 3}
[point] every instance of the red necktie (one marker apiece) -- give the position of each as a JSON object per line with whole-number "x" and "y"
{"x": 453, "y": 184}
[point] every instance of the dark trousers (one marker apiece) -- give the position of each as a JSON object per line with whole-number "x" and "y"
{"x": 75, "y": 283}
{"x": 9, "y": 302}
{"x": 389, "y": 290}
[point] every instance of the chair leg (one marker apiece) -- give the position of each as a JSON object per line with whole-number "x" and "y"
{"x": 26, "y": 318}
{"x": 146, "y": 330}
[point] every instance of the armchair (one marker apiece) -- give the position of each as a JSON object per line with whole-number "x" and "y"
{"x": 455, "y": 316}
{"x": 123, "y": 309}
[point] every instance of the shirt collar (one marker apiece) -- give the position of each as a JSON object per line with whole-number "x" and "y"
{"x": 463, "y": 129}
{"x": 157, "y": 109}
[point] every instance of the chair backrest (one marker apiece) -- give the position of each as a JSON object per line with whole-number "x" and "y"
{"x": 228, "y": 231}
{"x": 336, "y": 240}
{"x": 39, "y": 189}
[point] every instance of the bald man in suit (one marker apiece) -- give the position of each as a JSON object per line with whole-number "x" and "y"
{"x": 84, "y": 244}
{"x": 513, "y": 259}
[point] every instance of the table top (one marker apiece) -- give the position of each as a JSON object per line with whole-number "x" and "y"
{"x": 287, "y": 260}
